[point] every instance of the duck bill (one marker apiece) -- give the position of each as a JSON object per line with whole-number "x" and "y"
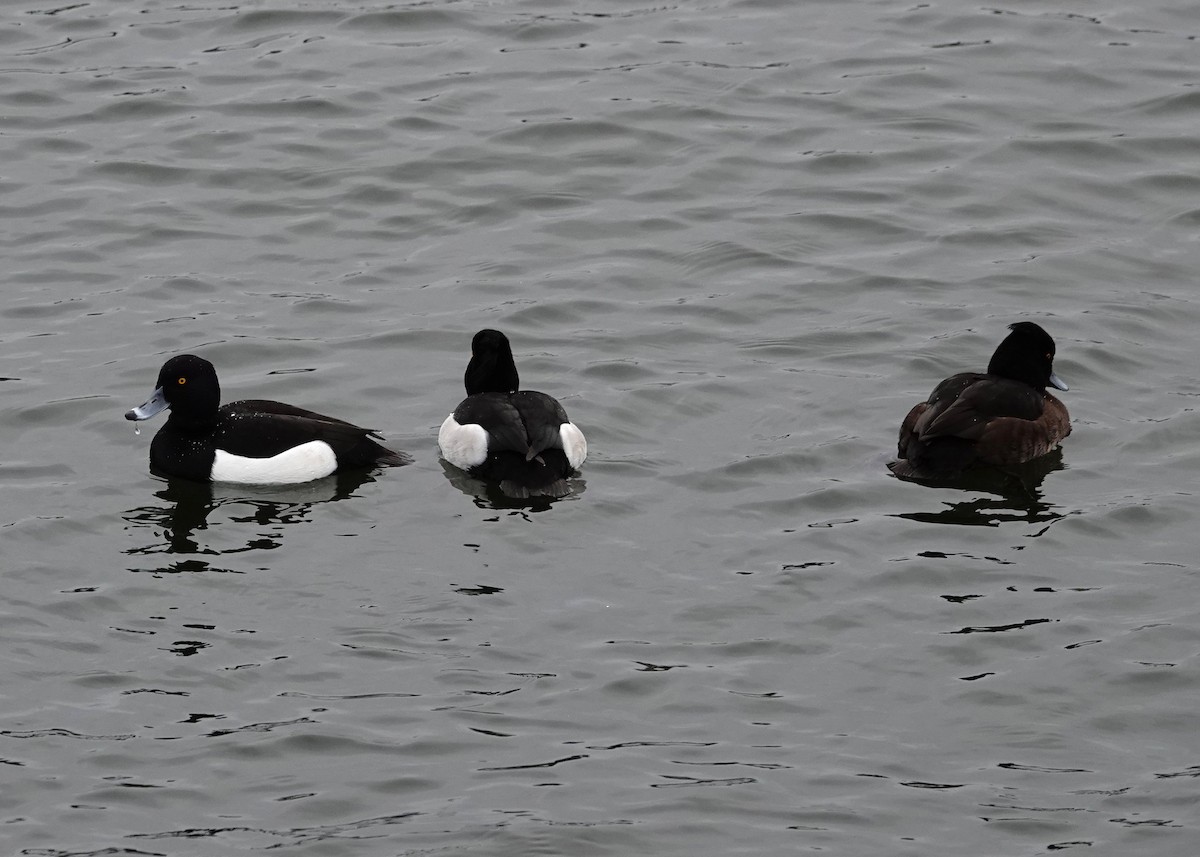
{"x": 1057, "y": 383}
{"x": 156, "y": 404}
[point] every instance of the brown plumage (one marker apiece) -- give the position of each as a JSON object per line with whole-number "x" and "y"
{"x": 1001, "y": 418}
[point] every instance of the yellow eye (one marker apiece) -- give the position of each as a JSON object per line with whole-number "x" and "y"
{"x": 181, "y": 380}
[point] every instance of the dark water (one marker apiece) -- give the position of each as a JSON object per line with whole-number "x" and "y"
{"x": 738, "y": 240}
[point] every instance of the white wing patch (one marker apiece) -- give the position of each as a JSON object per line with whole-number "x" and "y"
{"x": 463, "y": 446}
{"x": 301, "y": 463}
{"x": 574, "y": 444}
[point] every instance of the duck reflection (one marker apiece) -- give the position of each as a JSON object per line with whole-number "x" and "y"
{"x": 179, "y": 521}
{"x": 487, "y": 495}
{"x": 1016, "y": 495}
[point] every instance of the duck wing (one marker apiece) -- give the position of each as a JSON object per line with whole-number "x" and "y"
{"x": 1011, "y": 440}
{"x": 526, "y": 422}
{"x": 499, "y": 417}
{"x": 964, "y": 405}
{"x": 543, "y": 417}
{"x": 265, "y": 428}
{"x": 907, "y": 428}
{"x": 266, "y": 406}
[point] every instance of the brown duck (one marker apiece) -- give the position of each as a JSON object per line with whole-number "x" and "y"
{"x": 1001, "y": 418}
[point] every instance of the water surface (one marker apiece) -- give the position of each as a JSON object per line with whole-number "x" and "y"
{"x": 738, "y": 240}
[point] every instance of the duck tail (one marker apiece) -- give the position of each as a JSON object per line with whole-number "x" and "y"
{"x": 391, "y": 458}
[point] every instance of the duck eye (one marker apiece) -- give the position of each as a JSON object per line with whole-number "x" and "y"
{"x": 181, "y": 380}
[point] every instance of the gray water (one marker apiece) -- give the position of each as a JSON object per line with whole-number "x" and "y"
{"x": 738, "y": 240}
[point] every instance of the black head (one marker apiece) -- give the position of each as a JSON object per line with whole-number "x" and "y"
{"x": 1027, "y": 355}
{"x": 186, "y": 384}
{"x": 491, "y": 369}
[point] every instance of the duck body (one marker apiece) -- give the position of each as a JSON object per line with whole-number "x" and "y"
{"x": 253, "y": 441}
{"x": 521, "y": 439}
{"x": 1001, "y": 418}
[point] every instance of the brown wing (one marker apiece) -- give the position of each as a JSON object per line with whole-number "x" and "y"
{"x": 916, "y": 424}
{"x": 908, "y": 426}
{"x": 978, "y": 405}
{"x": 1010, "y": 440}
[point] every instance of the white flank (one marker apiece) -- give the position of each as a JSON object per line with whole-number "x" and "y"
{"x": 301, "y": 463}
{"x": 574, "y": 444}
{"x": 463, "y": 446}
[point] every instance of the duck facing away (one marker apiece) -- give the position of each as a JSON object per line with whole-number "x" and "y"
{"x": 521, "y": 439}
{"x": 254, "y": 441}
{"x": 1002, "y": 418}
